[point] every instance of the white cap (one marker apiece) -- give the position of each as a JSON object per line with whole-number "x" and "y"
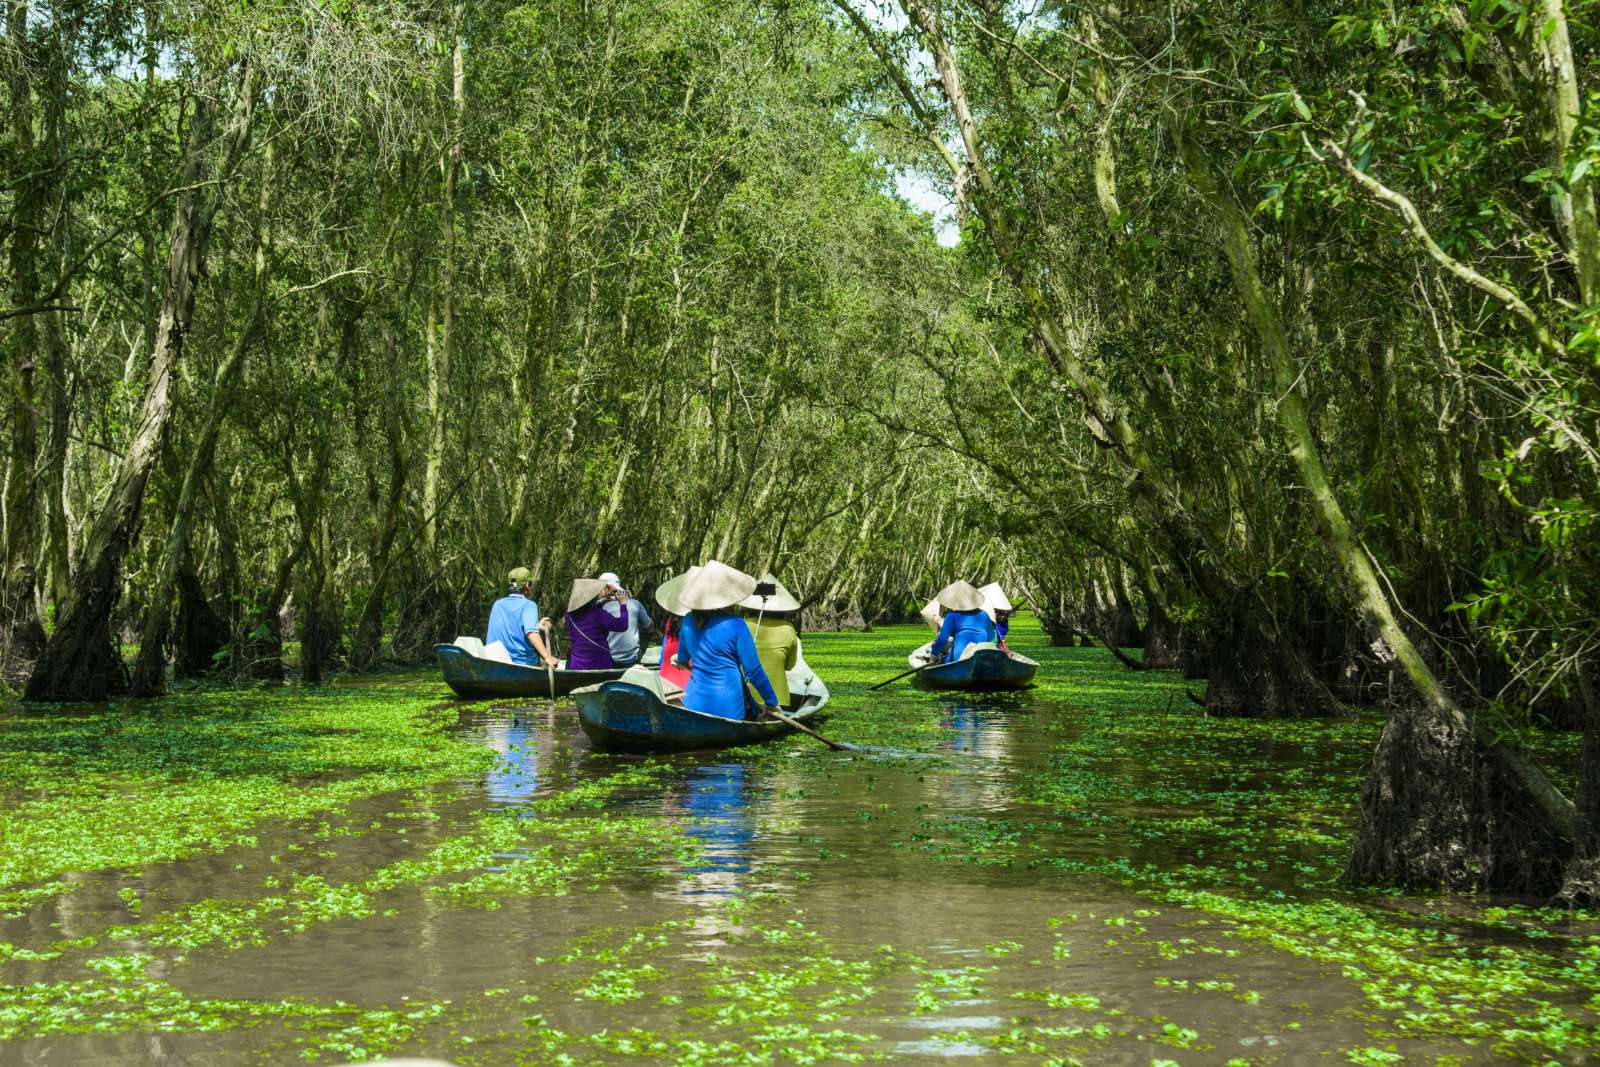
{"x": 611, "y": 580}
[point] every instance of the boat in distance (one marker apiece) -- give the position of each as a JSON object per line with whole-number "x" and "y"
{"x": 983, "y": 667}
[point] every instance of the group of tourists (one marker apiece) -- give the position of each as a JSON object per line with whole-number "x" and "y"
{"x": 966, "y": 615}
{"x": 607, "y": 626}
{"x": 728, "y": 640}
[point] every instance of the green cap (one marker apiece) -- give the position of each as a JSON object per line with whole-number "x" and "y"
{"x": 520, "y": 575}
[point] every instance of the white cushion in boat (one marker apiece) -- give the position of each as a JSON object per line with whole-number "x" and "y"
{"x": 496, "y": 651}
{"x": 470, "y": 645}
{"x": 645, "y": 678}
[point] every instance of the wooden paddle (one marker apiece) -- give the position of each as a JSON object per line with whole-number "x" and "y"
{"x": 897, "y": 677}
{"x": 803, "y": 728}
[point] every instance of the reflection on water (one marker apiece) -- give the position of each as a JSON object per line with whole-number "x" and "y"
{"x": 983, "y": 731}
{"x": 894, "y": 898}
{"x": 717, "y": 798}
{"x": 515, "y": 774}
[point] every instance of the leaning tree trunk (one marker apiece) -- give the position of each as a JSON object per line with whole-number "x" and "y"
{"x": 80, "y": 662}
{"x": 1256, "y": 671}
{"x": 1441, "y": 806}
{"x": 149, "y": 672}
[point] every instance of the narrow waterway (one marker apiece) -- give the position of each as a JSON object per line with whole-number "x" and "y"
{"x": 1038, "y": 878}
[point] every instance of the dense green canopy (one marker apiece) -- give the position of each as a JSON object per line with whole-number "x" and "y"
{"x": 1266, "y": 342}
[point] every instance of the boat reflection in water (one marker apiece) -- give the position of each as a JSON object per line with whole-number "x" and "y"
{"x": 715, "y": 800}
{"x": 981, "y": 730}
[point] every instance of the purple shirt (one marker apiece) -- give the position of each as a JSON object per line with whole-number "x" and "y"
{"x": 586, "y": 629}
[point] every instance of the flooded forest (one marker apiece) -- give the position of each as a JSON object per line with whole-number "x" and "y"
{"x": 1254, "y": 349}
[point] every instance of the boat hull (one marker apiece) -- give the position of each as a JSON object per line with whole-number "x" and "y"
{"x": 987, "y": 670}
{"x": 623, "y": 717}
{"x": 473, "y": 676}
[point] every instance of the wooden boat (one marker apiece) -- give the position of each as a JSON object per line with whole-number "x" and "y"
{"x": 982, "y": 667}
{"x": 471, "y": 674}
{"x": 641, "y": 713}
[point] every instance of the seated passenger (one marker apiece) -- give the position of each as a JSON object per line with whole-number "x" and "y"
{"x": 998, "y": 605}
{"x": 514, "y": 622}
{"x": 777, "y": 642}
{"x": 626, "y": 645}
{"x": 717, "y": 646}
{"x": 589, "y": 623}
{"x": 965, "y": 622}
{"x": 672, "y": 627}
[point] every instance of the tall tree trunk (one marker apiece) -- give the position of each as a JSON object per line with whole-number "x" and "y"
{"x": 80, "y": 662}
{"x": 21, "y": 635}
{"x": 149, "y": 673}
{"x": 442, "y": 356}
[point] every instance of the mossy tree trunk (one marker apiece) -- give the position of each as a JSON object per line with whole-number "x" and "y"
{"x": 80, "y": 662}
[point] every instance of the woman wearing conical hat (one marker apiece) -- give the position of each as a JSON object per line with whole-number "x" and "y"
{"x": 588, "y": 624}
{"x": 672, "y": 627}
{"x": 998, "y": 607}
{"x": 766, "y": 612}
{"x": 717, "y": 646}
{"x": 965, "y": 621}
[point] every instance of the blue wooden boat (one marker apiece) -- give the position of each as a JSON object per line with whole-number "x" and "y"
{"x": 476, "y": 676}
{"x": 634, "y": 715}
{"x": 984, "y": 668}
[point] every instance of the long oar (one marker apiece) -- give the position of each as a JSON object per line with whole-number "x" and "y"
{"x": 550, "y": 667}
{"x": 897, "y": 677}
{"x": 803, "y": 728}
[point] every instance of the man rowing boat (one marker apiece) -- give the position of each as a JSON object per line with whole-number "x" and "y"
{"x": 514, "y": 622}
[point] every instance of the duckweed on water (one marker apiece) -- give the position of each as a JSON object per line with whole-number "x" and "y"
{"x": 1089, "y": 870}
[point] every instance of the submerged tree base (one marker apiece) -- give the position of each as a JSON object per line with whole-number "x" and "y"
{"x": 1440, "y": 809}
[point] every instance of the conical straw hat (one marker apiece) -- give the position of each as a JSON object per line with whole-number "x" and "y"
{"x": 584, "y": 590}
{"x": 959, "y": 595}
{"x": 931, "y": 614}
{"x": 994, "y": 598}
{"x": 716, "y": 586}
{"x": 667, "y": 592}
{"x": 781, "y": 601}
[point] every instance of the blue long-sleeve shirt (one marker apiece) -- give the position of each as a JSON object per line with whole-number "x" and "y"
{"x": 722, "y": 657}
{"x": 960, "y": 629}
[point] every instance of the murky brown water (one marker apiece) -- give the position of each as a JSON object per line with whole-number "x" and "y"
{"x": 833, "y": 894}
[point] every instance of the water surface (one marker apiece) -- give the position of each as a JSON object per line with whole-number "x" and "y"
{"x": 1089, "y": 872}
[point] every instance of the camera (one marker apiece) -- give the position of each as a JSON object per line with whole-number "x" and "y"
{"x": 765, "y": 589}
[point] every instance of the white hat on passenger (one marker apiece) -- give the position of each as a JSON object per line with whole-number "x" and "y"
{"x": 780, "y": 601}
{"x": 716, "y": 586}
{"x": 611, "y": 580}
{"x": 667, "y": 592}
{"x": 960, "y": 595}
{"x": 994, "y": 598}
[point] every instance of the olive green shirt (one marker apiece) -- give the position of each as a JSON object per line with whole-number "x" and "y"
{"x": 778, "y": 649}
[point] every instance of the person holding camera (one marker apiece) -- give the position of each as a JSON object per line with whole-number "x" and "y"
{"x": 626, "y": 645}
{"x": 589, "y": 624}
{"x": 767, "y": 613}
